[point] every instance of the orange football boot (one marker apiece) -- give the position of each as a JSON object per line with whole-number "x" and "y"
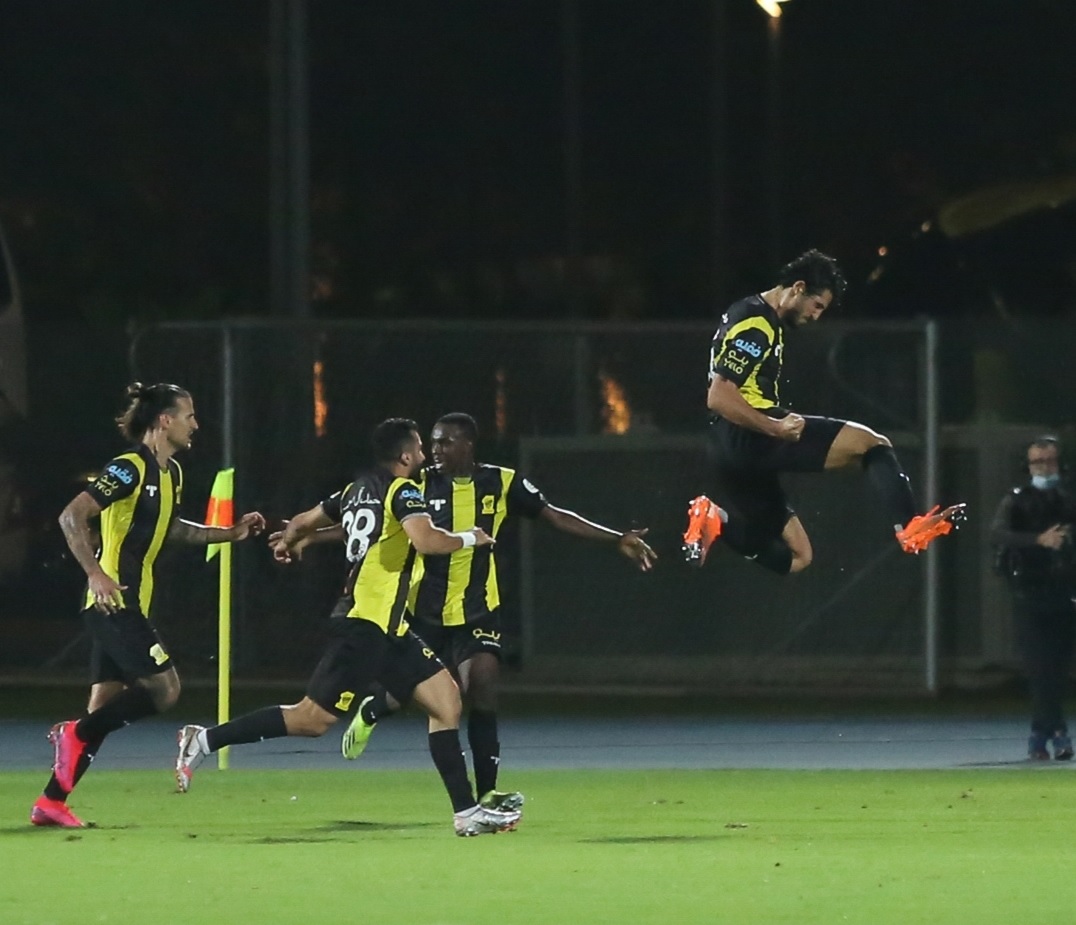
{"x": 704, "y": 522}
{"x": 923, "y": 529}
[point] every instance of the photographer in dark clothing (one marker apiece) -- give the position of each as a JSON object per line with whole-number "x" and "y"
{"x": 1033, "y": 535}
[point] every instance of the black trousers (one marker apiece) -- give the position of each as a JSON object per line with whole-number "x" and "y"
{"x": 1046, "y": 631}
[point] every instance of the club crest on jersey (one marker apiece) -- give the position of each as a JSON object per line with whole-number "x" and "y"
{"x": 489, "y": 504}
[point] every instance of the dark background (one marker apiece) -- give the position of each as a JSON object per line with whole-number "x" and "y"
{"x": 135, "y": 180}
{"x": 134, "y": 152}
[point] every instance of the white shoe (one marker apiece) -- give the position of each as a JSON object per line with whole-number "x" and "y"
{"x": 482, "y": 821}
{"x": 190, "y": 756}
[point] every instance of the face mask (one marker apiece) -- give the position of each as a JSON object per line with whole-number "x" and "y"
{"x": 1045, "y": 481}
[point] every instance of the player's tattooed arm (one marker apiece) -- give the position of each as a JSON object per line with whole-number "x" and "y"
{"x": 192, "y": 534}
{"x": 107, "y": 593}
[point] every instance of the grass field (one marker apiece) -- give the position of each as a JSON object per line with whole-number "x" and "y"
{"x": 594, "y": 847}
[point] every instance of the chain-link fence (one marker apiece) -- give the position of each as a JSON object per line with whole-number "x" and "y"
{"x": 607, "y": 421}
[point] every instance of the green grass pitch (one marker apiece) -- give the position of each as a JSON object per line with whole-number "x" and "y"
{"x": 594, "y": 847}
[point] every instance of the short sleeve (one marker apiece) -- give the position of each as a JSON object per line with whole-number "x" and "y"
{"x": 742, "y": 350}
{"x": 407, "y": 499}
{"x": 332, "y": 505}
{"x": 524, "y": 497}
{"x": 118, "y": 480}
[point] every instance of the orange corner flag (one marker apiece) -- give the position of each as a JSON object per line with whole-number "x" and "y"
{"x": 220, "y": 512}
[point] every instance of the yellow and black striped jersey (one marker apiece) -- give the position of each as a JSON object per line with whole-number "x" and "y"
{"x": 462, "y": 587}
{"x": 747, "y": 349}
{"x": 385, "y": 568}
{"x": 139, "y": 501}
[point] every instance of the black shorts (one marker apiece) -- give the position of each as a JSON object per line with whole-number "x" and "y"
{"x": 125, "y": 646}
{"x": 747, "y": 467}
{"x": 357, "y": 654}
{"x": 455, "y": 644}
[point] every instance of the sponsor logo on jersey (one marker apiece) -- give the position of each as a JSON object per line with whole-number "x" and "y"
{"x": 754, "y": 349}
{"x": 124, "y": 475}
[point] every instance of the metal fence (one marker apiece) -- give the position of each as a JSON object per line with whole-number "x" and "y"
{"x": 606, "y": 420}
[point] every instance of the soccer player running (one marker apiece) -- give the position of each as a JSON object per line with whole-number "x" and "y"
{"x": 137, "y": 497}
{"x": 388, "y": 531}
{"x": 751, "y": 439}
{"x": 457, "y": 607}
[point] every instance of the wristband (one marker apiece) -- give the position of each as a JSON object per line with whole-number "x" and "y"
{"x": 468, "y": 539}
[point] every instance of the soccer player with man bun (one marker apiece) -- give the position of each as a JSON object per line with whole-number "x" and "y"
{"x": 137, "y": 497}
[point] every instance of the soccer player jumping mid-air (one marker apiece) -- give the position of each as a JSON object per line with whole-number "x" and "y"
{"x": 751, "y": 439}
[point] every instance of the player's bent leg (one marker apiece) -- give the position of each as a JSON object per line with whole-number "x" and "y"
{"x": 439, "y": 698}
{"x": 307, "y": 718}
{"x": 480, "y": 680}
{"x": 482, "y": 671}
{"x": 164, "y": 689}
{"x": 799, "y": 544}
{"x": 852, "y": 442}
{"x": 102, "y": 692}
{"x": 883, "y": 470}
{"x": 197, "y": 742}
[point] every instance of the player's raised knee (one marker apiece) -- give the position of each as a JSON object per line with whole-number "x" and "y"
{"x": 800, "y": 560}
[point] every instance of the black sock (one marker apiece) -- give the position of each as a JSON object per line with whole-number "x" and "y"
{"x": 88, "y": 754}
{"x": 883, "y": 471}
{"x": 54, "y": 791}
{"x": 734, "y": 530}
{"x": 266, "y": 723}
{"x": 128, "y": 706}
{"x": 448, "y": 759}
{"x": 378, "y": 708}
{"x": 771, "y": 552}
{"x": 485, "y": 749}
{"x": 776, "y": 556}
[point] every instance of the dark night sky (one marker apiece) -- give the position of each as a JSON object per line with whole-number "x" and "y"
{"x": 134, "y": 145}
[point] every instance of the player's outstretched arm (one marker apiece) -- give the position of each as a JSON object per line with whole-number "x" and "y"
{"x": 298, "y": 531}
{"x": 186, "y": 531}
{"x": 630, "y": 543}
{"x": 332, "y": 534}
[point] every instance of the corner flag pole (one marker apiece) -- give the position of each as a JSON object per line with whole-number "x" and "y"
{"x": 221, "y": 513}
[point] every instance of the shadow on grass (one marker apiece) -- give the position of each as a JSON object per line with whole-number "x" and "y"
{"x": 341, "y": 828}
{"x": 357, "y": 825}
{"x": 649, "y": 839}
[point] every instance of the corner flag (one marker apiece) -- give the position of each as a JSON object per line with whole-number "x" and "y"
{"x": 221, "y": 511}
